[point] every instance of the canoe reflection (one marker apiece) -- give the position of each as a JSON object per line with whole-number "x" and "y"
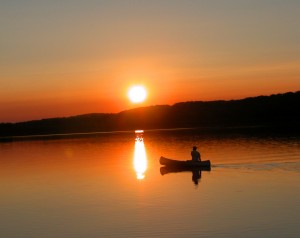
{"x": 196, "y": 172}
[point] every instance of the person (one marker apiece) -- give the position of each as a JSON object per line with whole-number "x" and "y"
{"x": 195, "y": 154}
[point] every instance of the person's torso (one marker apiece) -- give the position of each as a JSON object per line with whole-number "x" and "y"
{"x": 195, "y": 155}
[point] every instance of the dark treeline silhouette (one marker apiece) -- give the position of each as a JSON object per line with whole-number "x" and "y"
{"x": 280, "y": 110}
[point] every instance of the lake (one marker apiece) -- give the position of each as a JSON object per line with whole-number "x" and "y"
{"x": 111, "y": 185}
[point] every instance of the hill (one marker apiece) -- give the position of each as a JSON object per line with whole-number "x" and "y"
{"x": 280, "y": 110}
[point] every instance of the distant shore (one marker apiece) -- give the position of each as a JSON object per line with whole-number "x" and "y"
{"x": 278, "y": 112}
{"x": 261, "y": 131}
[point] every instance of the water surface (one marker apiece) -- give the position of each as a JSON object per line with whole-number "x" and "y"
{"x": 110, "y": 185}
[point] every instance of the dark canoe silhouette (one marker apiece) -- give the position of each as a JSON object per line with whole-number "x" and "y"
{"x": 184, "y": 164}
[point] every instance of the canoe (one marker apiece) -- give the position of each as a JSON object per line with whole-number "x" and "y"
{"x": 186, "y": 163}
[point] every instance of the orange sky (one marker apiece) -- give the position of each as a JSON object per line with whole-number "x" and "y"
{"x": 80, "y": 57}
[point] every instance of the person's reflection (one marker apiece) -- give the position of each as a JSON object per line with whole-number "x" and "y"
{"x": 196, "y": 176}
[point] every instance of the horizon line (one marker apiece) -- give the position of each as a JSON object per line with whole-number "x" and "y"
{"x": 126, "y": 110}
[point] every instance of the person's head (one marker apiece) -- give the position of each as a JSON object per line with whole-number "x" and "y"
{"x": 194, "y": 147}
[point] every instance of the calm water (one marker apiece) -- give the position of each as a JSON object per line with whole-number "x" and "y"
{"x": 111, "y": 186}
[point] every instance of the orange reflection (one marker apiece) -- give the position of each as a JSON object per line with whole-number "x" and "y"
{"x": 140, "y": 158}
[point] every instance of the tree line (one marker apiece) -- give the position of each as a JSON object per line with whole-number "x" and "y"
{"x": 280, "y": 110}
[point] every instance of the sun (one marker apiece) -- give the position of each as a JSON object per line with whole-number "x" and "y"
{"x": 137, "y": 94}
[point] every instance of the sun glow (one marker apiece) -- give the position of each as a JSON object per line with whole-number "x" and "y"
{"x": 137, "y": 94}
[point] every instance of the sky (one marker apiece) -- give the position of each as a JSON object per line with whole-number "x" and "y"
{"x": 69, "y": 57}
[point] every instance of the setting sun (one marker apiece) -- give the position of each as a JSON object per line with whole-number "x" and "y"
{"x": 137, "y": 94}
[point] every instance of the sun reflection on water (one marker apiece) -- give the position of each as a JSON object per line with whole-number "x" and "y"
{"x": 140, "y": 157}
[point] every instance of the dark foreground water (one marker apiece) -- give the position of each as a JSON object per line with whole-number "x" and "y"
{"x": 112, "y": 186}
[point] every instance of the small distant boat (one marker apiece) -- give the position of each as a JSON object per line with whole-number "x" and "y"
{"x": 184, "y": 164}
